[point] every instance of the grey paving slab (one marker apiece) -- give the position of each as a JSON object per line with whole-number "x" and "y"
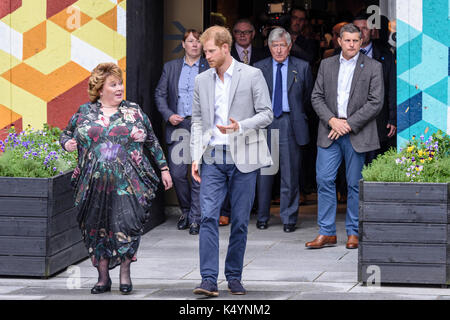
{"x": 336, "y": 276}
{"x": 359, "y": 296}
{"x": 277, "y": 266}
{"x": 9, "y": 289}
{"x": 403, "y": 290}
{"x": 279, "y": 275}
{"x": 291, "y": 286}
{"x": 21, "y": 297}
{"x": 223, "y": 295}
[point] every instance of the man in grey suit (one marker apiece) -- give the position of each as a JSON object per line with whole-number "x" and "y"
{"x": 347, "y": 97}
{"x": 173, "y": 97}
{"x": 231, "y": 104}
{"x": 290, "y": 83}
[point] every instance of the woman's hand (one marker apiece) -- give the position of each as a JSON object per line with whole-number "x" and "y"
{"x": 166, "y": 179}
{"x": 71, "y": 145}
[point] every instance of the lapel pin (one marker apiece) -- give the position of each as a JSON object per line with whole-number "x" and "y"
{"x": 362, "y": 65}
{"x": 295, "y": 75}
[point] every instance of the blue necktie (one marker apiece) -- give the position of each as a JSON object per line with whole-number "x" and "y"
{"x": 364, "y": 51}
{"x": 278, "y": 97}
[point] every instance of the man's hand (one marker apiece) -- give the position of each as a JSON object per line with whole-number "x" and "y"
{"x": 340, "y": 126}
{"x": 234, "y": 126}
{"x": 175, "y": 119}
{"x": 71, "y": 145}
{"x": 195, "y": 173}
{"x": 334, "y": 135}
{"x": 392, "y": 130}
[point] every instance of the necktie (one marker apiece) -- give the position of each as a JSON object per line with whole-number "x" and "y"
{"x": 364, "y": 51}
{"x": 245, "y": 56}
{"x": 278, "y": 97}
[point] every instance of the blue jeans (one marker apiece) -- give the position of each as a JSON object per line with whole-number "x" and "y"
{"x": 217, "y": 180}
{"x": 328, "y": 162}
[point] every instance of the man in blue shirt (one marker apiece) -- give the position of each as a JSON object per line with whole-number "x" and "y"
{"x": 173, "y": 97}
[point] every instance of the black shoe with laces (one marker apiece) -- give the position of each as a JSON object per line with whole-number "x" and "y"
{"x": 235, "y": 287}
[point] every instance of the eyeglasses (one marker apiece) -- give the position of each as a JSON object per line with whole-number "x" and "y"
{"x": 241, "y": 33}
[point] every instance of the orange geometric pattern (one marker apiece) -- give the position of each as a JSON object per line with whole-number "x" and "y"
{"x": 49, "y": 56}
{"x": 34, "y": 40}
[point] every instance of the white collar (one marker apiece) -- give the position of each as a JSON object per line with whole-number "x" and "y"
{"x": 352, "y": 60}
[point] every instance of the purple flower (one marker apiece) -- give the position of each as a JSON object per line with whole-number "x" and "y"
{"x": 109, "y": 151}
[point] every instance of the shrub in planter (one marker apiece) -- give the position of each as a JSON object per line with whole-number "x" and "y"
{"x": 404, "y": 214}
{"x": 34, "y": 154}
{"x": 39, "y": 234}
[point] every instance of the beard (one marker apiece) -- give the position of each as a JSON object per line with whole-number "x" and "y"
{"x": 218, "y": 62}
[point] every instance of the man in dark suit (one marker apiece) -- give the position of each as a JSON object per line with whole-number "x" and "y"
{"x": 290, "y": 83}
{"x": 173, "y": 97}
{"x": 387, "y": 118}
{"x": 347, "y": 97}
{"x": 242, "y": 49}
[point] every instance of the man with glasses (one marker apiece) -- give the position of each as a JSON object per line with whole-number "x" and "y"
{"x": 242, "y": 49}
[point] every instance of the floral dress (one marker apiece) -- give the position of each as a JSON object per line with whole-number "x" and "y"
{"x": 114, "y": 181}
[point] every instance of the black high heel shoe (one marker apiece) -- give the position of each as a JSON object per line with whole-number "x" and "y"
{"x": 102, "y": 289}
{"x": 126, "y": 288}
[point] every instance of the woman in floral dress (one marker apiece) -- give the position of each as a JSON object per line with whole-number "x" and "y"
{"x": 114, "y": 181}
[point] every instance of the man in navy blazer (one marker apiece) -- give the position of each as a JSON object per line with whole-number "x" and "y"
{"x": 173, "y": 97}
{"x": 290, "y": 84}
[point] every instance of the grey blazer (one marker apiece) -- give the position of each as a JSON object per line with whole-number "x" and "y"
{"x": 365, "y": 101}
{"x": 249, "y": 103}
{"x": 299, "y": 83}
{"x": 166, "y": 93}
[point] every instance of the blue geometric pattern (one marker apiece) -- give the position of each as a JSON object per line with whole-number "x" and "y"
{"x": 423, "y": 70}
{"x": 409, "y": 112}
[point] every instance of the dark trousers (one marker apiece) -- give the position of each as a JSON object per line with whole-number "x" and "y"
{"x": 187, "y": 189}
{"x": 290, "y": 155}
{"x": 217, "y": 180}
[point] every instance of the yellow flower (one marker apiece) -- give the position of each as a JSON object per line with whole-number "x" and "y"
{"x": 422, "y": 161}
{"x": 420, "y": 153}
{"x": 430, "y": 158}
{"x": 410, "y": 149}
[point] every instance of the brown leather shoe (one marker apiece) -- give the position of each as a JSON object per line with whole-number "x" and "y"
{"x": 224, "y": 221}
{"x": 352, "y": 242}
{"x": 322, "y": 241}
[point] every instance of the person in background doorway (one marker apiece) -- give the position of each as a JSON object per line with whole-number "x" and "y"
{"x": 173, "y": 97}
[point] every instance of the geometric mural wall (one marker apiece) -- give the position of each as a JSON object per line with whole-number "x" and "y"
{"x": 423, "y": 68}
{"x": 48, "y": 49}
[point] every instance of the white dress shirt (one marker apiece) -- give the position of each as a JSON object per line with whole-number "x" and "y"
{"x": 346, "y": 71}
{"x": 222, "y": 95}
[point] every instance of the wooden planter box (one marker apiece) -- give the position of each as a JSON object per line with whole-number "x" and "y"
{"x": 39, "y": 234}
{"x": 404, "y": 230}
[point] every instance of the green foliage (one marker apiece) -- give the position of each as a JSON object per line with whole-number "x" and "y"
{"x": 420, "y": 161}
{"x": 34, "y": 154}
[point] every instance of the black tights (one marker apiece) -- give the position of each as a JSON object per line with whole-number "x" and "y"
{"x": 103, "y": 272}
{"x": 125, "y": 277}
